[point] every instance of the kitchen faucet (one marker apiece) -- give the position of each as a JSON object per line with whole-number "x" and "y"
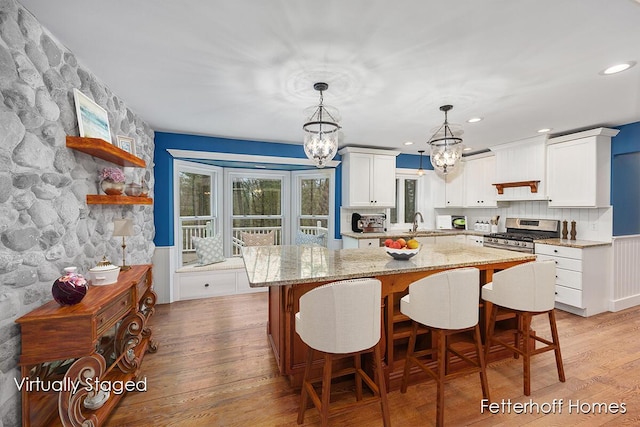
{"x": 415, "y": 221}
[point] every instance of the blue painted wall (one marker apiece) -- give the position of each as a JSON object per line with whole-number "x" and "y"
{"x": 625, "y": 180}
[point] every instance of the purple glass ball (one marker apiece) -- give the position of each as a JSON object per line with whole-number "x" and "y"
{"x": 69, "y": 289}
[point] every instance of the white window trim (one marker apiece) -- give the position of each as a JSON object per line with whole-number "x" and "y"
{"x": 402, "y": 174}
{"x": 232, "y": 157}
{"x": 320, "y": 173}
{"x": 229, "y": 174}
{"x": 216, "y": 173}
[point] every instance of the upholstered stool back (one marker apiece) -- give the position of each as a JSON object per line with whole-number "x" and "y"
{"x": 524, "y": 287}
{"x": 447, "y": 300}
{"x": 341, "y": 317}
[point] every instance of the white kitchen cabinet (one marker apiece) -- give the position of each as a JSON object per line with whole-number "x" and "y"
{"x": 352, "y": 243}
{"x": 368, "y": 177}
{"x": 479, "y": 176}
{"x": 448, "y": 191}
{"x": 582, "y": 276}
{"x": 474, "y": 240}
{"x": 579, "y": 169}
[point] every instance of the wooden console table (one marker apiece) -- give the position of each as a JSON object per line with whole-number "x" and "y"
{"x": 103, "y": 338}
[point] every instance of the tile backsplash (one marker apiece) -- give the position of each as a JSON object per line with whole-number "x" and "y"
{"x": 591, "y": 224}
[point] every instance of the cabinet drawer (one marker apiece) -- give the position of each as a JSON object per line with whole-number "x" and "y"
{"x": 569, "y": 278}
{"x": 142, "y": 286}
{"x": 564, "y": 263}
{"x": 109, "y": 315}
{"x": 207, "y": 284}
{"x": 561, "y": 251}
{"x": 368, "y": 243}
{"x": 569, "y": 296}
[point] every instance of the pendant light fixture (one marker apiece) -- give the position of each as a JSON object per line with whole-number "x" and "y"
{"x": 420, "y": 170}
{"x": 446, "y": 148}
{"x": 321, "y": 130}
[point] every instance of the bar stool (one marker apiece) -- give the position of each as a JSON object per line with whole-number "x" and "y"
{"x": 342, "y": 319}
{"x": 447, "y": 304}
{"x": 525, "y": 290}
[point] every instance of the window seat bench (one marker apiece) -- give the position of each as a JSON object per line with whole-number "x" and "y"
{"x": 228, "y": 277}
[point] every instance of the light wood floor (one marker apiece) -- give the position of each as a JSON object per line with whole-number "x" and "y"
{"x": 214, "y": 367}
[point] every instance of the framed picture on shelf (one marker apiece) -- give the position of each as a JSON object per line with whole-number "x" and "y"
{"x": 93, "y": 120}
{"x": 127, "y": 144}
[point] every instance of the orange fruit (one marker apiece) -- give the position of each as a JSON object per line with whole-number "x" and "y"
{"x": 402, "y": 242}
{"x": 413, "y": 244}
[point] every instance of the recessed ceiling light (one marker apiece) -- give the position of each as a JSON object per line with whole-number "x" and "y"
{"x": 408, "y": 143}
{"x": 474, "y": 120}
{"x": 544, "y": 130}
{"x": 618, "y": 68}
{"x": 467, "y": 149}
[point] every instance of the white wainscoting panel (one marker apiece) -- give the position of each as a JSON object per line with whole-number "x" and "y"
{"x": 626, "y": 272}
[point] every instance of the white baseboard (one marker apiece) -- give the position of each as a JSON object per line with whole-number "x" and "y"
{"x": 624, "y": 303}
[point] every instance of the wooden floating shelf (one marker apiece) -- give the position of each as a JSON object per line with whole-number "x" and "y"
{"x": 104, "y": 150}
{"x": 99, "y": 199}
{"x": 533, "y": 185}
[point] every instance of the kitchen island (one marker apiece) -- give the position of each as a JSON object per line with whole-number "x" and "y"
{"x": 290, "y": 271}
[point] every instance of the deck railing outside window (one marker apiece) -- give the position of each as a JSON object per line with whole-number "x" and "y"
{"x": 204, "y": 230}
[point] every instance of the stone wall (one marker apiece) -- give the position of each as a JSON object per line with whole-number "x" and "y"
{"x": 45, "y": 223}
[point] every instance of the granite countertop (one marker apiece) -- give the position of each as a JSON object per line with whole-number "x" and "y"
{"x": 288, "y": 264}
{"x": 391, "y": 234}
{"x": 580, "y": 244}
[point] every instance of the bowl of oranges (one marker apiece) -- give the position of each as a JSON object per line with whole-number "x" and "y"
{"x": 402, "y": 249}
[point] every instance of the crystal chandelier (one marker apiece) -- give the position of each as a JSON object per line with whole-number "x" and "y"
{"x": 446, "y": 148}
{"x": 321, "y": 131}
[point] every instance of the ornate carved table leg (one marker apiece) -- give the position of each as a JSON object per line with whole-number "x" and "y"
{"x": 81, "y": 375}
{"x": 128, "y": 336}
{"x": 147, "y": 307}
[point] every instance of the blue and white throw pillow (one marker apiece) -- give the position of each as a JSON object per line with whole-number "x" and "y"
{"x": 310, "y": 239}
{"x": 209, "y": 249}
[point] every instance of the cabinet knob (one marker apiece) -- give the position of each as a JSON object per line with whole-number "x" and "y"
{"x": 556, "y": 293}
{"x": 555, "y": 250}
{"x": 206, "y": 285}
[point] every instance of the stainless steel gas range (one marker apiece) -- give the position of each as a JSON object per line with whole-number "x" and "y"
{"x": 521, "y": 232}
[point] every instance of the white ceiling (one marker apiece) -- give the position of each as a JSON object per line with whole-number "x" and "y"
{"x": 245, "y": 68}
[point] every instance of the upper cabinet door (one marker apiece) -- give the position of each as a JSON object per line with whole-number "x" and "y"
{"x": 384, "y": 181}
{"x": 579, "y": 169}
{"x": 479, "y": 176}
{"x": 368, "y": 177}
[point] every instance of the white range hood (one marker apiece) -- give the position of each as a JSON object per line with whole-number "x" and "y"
{"x": 521, "y": 169}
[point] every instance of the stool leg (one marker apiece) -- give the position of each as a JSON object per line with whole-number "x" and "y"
{"x": 556, "y": 342}
{"x": 518, "y": 335}
{"x": 490, "y": 329}
{"x": 304, "y": 395}
{"x": 442, "y": 355}
{"x": 526, "y": 326}
{"x": 357, "y": 361}
{"x": 326, "y": 389}
{"x": 483, "y": 371}
{"x": 408, "y": 360}
{"x": 382, "y": 387}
